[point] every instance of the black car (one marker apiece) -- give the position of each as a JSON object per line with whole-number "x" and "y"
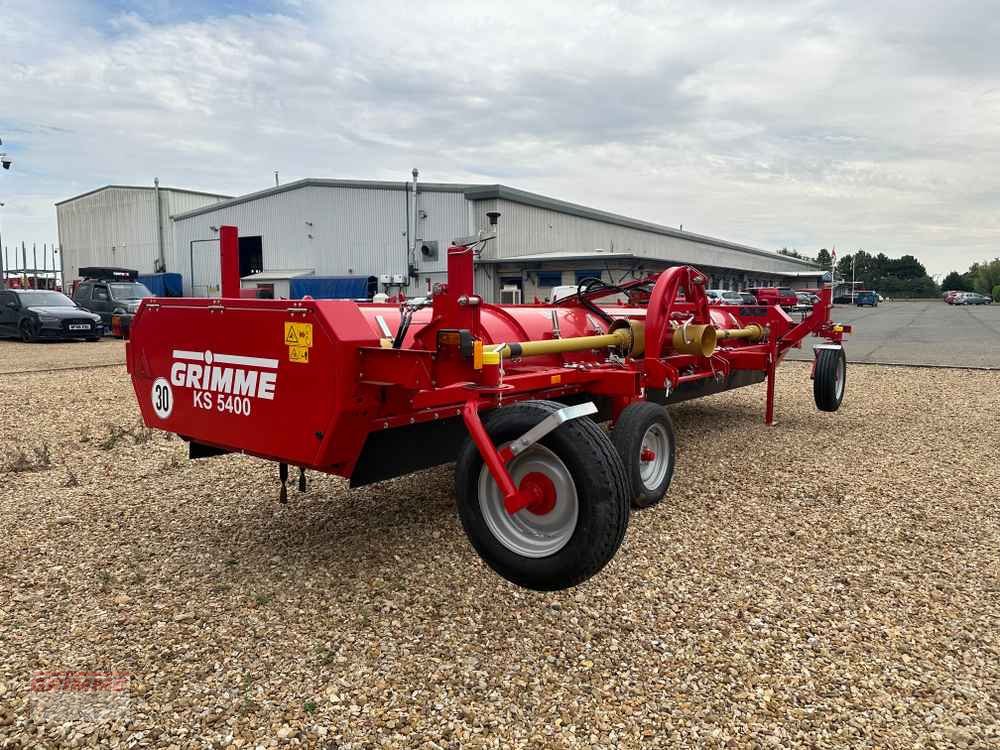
{"x": 108, "y": 298}
{"x": 33, "y": 314}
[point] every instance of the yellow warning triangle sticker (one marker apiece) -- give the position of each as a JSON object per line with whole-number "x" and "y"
{"x": 290, "y": 336}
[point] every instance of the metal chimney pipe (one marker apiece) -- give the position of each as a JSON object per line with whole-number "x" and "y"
{"x": 159, "y": 225}
{"x": 413, "y": 238}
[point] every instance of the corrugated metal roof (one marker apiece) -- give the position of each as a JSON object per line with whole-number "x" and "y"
{"x": 474, "y": 192}
{"x": 502, "y": 192}
{"x": 141, "y": 187}
{"x": 436, "y": 187}
{"x": 540, "y": 257}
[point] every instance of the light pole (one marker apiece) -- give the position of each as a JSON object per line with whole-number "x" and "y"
{"x": 3, "y": 270}
{"x": 854, "y": 258}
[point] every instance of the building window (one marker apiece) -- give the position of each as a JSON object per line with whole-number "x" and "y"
{"x": 511, "y": 281}
{"x": 549, "y": 278}
{"x": 586, "y": 274}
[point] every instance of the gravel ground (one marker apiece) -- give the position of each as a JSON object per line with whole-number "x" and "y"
{"x": 18, "y": 357}
{"x": 829, "y": 582}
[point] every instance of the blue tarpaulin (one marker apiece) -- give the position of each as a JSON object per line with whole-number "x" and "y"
{"x": 333, "y": 287}
{"x": 163, "y": 284}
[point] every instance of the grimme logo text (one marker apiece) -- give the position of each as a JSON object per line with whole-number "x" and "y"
{"x": 224, "y": 382}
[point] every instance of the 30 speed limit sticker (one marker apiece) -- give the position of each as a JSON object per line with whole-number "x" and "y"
{"x": 163, "y": 398}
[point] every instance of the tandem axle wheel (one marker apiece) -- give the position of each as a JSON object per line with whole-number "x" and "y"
{"x": 574, "y": 492}
{"x": 644, "y": 438}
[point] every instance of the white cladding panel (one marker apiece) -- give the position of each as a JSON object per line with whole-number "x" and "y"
{"x": 530, "y": 230}
{"x": 336, "y": 231}
{"x": 114, "y": 227}
{"x": 117, "y": 226}
{"x": 441, "y": 217}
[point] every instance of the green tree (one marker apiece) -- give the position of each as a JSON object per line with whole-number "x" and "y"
{"x": 901, "y": 277}
{"x": 844, "y": 266}
{"x": 956, "y": 282}
{"x": 823, "y": 258}
{"x": 985, "y": 276}
{"x": 996, "y": 293}
{"x": 793, "y": 253}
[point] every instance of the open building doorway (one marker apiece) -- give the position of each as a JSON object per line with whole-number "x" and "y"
{"x": 251, "y": 256}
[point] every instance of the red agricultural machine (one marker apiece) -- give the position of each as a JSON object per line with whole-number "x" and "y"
{"x": 513, "y": 394}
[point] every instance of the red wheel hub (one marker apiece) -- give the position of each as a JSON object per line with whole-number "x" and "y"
{"x": 647, "y": 455}
{"x": 542, "y": 492}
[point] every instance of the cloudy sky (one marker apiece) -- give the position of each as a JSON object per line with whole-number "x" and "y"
{"x": 800, "y": 124}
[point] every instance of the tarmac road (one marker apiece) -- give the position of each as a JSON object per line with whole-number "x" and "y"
{"x": 919, "y": 332}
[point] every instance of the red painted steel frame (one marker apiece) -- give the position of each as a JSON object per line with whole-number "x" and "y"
{"x": 330, "y": 395}
{"x": 229, "y": 252}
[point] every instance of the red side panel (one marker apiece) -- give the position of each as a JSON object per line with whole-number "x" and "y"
{"x": 263, "y": 377}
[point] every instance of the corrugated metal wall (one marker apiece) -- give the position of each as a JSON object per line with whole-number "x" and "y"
{"x": 332, "y": 230}
{"x": 528, "y": 230}
{"x": 118, "y": 227}
{"x": 359, "y": 230}
{"x": 114, "y": 227}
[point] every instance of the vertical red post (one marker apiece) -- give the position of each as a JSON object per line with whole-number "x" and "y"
{"x": 461, "y": 271}
{"x": 229, "y": 253}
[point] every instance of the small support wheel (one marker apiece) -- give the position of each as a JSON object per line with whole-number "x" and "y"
{"x": 829, "y": 378}
{"x": 644, "y": 438}
{"x": 578, "y": 518}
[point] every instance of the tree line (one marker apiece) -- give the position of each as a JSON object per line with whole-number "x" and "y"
{"x": 896, "y": 277}
{"x": 981, "y": 277}
{"x": 906, "y": 276}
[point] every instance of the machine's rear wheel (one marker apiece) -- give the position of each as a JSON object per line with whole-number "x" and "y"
{"x": 644, "y": 438}
{"x": 830, "y": 378}
{"x": 575, "y": 530}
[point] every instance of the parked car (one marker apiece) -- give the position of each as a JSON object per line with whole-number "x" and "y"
{"x": 738, "y": 298}
{"x": 33, "y": 314}
{"x": 805, "y": 301}
{"x": 866, "y": 297}
{"x": 110, "y": 299}
{"x": 715, "y": 296}
{"x": 971, "y": 298}
{"x": 775, "y": 295}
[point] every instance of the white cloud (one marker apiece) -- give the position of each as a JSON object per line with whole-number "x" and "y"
{"x": 790, "y": 123}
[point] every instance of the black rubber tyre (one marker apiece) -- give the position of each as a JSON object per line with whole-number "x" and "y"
{"x": 26, "y": 334}
{"x": 645, "y": 424}
{"x": 598, "y": 483}
{"x": 830, "y": 378}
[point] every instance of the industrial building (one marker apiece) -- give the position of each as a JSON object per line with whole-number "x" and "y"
{"x": 398, "y": 232}
{"x": 127, "y": 226}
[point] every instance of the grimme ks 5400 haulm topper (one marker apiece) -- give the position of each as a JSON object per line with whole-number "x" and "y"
{"x": 516, "y": 392}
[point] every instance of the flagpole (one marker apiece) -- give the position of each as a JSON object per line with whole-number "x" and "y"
{"x": 854, "y": 259}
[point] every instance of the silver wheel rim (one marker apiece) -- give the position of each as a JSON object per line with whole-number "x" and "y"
{"x": 653, "y": 472}
{"x": 526, "y": 533}
{"x": 838, "y": 378}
